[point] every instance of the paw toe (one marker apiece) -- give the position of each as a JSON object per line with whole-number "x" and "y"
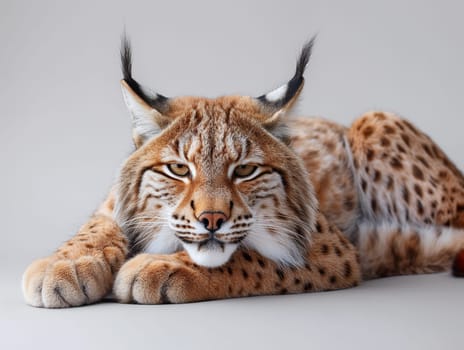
{"x": 61, "y": 286}
{"x": 32, "y": 282}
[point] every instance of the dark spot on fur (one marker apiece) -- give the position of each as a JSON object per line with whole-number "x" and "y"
{"x": 420, "y": 207}
{"x": 406, "y": 139}
{"x": 423, "y": 161}
{"x": 374, "y": 205}
{"x": 389, "y": 182}
{"x": 400, "y": 148}
{"x": 384, "y": 142}
{"x": 398, "y": 124}
{"x": 347, "y": 269}
{"x": 244, "y": 274}
{"x": 370, "y": 154}
{"x": 405, "y": 194}
{"x": 325, "y": 249}
{"x": 280, "y": 274}
{"x": 427, "y": 150}
{"x": 363, "y": 185}
{"x": 418, "y": 190}
{"x": 333, "y": 279}
{"x": 418, "y": 174}
{"x": 368, "y": 131}
{"x": 389, "y": 129}
{"x": 261, "y": 263}
{"x": 247, "y": 256}
{"x": 348, "y": 203}
{"x": 395, "y": 163}
{"x": 308, "y": 286}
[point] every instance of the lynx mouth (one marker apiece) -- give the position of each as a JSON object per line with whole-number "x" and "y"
{"x": 212, "y": 240}
{"x": 210, "y": 252}
{"x": 211, "y": 244}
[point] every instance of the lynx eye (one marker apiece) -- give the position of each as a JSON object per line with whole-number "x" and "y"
{"x": 179, "y": 169}
{"x": 245, "y": 170}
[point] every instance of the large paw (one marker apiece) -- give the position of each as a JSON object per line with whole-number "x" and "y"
{"x": 158, "y": 279}
{"x": 55, "y": 283}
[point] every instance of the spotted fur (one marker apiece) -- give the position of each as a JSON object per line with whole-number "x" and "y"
{"x": 228, "y": 197}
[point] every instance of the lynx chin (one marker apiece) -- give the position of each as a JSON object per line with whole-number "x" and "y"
{"x": 230, "y": 196}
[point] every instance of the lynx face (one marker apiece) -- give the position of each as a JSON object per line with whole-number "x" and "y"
{"x": 210, "y": 175}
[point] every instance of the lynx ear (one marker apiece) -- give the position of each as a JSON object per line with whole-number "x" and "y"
{"x": 276, "y": 103}
{"x": 145, "y": 106}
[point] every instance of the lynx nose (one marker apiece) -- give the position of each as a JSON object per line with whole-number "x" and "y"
{"x": 212, "y": 220}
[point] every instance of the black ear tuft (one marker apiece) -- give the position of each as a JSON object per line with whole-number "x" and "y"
{"x": 278, "y": 98}
{"x": 126, "y": 58}
{"x": 305, "y": 55}
{"x": 157, "y": 101}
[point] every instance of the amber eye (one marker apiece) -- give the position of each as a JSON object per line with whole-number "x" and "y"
{"x": 244, "y": 170}
{"x": 179, "y": 169}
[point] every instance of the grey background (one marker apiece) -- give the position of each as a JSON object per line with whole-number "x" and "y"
{"x": 64, "y": 132}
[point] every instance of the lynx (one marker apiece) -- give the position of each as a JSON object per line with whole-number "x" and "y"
{"x": 231, "y": 197}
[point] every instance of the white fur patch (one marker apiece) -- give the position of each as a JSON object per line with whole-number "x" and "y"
{"x": 164, "y": 242}
{"x": 212, "y": 257}
{"x": 277, "y": 94}
{"x": 279, "y": 248}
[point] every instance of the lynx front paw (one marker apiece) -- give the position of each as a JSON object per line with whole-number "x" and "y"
{"x": 55, "y": 283}
{"x": 158, "y": 279}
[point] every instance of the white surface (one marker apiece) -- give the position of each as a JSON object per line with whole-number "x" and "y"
{"x": 64, "y": 131}
{"x": 407, "y": 312}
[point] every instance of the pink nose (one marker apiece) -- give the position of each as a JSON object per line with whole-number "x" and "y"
{"x": 212, "y": 220}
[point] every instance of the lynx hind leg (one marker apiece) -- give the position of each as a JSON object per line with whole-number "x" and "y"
{"x": 411, "y": 198}
{"x": 399, "y": 249}
{"x": 402, "y": 175}
{"x": 81, "y": 271}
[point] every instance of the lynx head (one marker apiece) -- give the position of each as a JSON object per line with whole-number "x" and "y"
{"x": 210, "y": 175}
